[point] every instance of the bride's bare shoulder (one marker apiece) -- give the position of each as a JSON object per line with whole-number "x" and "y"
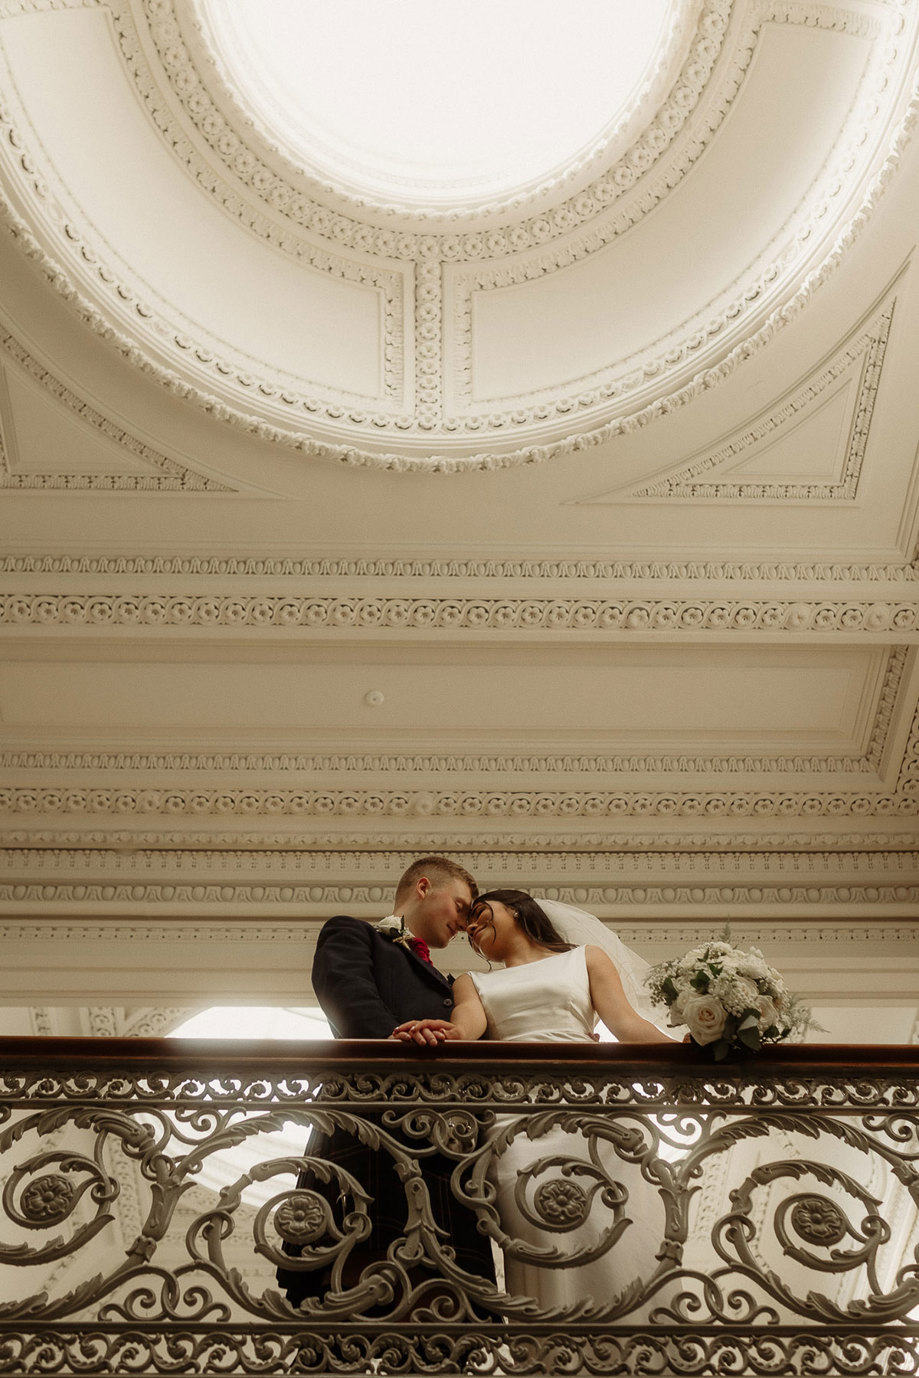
{"x": 597, "y": 958}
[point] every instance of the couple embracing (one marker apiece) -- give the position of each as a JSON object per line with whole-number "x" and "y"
{"x": 560, "y": 969}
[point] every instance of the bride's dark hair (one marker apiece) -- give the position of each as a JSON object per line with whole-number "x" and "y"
{"x": 537, "y": 926}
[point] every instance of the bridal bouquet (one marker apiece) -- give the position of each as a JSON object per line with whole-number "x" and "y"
{"x": 728, "y": 998}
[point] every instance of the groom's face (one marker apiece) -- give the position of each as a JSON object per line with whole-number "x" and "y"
{"x": 442, "y": 912}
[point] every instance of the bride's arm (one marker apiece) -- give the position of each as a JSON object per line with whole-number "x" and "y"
{"x": 610, "y": 1002}
{"x": 468, "y": 1020}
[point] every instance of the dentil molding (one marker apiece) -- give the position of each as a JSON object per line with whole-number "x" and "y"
{"x": 680, "y": 934}
{"x": 574, "y": 570}
{"x": 635, "y": 862}
{"x": 503, "y": 849}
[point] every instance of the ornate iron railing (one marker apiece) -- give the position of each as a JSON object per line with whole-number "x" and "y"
{"x": 650, "y": 1213}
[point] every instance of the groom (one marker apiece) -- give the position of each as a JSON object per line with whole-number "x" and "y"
{"x": 369, "y": 978}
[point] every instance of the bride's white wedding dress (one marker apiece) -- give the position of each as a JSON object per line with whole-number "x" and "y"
{"x": 573, "y": 1187}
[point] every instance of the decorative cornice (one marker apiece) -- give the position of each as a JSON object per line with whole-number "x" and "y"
{"x": 108, "y": 1021}
{"x": 848, "y": 796}
{"x": 635, "y": 864}
{"x": 500, "y": 615}
{"x": 458, "y": 567}
{"x": 689, "y": 480}
{"x": 652, "y": 930}
{"x": 499, "y": 852}
{"x": 438, "y": 804}
{"x": 174, "y": 477}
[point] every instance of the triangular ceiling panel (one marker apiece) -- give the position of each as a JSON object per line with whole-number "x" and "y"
{"x": 808, "y": 446}
{"x": 51, "y": 438}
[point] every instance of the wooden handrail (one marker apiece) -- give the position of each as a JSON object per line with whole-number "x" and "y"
{"x": 202, "y": 1054}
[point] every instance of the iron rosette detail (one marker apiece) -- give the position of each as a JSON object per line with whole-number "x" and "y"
{"x": 657, "y": 1220}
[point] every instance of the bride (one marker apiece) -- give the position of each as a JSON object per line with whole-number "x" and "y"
{"x": 573, "y": 1191}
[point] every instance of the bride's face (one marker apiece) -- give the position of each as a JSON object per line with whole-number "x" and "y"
{"x": 491, "y": 928}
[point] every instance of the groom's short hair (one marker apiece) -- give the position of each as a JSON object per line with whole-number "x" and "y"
{"x": 439, "y": 870}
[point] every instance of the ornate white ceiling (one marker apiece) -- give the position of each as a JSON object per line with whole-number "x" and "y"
{"x": 572, "y": 531}
{"x": 640, "y": 275}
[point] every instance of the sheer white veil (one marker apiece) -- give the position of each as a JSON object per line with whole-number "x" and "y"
{"x": 583, "y": 929}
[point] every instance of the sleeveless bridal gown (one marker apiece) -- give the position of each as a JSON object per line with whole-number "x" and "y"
{"x": 573, "y": 1187}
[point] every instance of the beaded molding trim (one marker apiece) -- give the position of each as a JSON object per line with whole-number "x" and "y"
{"x": 174, "y": 477}
{"x": 500, "y": 615}
{"x": 699, "y": 478}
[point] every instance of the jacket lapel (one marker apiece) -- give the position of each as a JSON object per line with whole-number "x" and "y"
{"x": 428, "y": 967}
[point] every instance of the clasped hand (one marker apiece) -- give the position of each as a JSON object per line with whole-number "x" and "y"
{"x": 427, "y": 1033}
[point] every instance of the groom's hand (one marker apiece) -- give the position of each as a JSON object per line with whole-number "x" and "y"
{"x": 427, "y": 1033}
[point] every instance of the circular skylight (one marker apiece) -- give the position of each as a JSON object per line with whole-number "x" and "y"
{"x": 435, "y": 103}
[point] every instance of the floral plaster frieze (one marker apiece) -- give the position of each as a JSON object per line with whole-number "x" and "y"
{"x": 268, "y": 613}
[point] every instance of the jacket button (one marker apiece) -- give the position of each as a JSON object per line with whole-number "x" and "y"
{"x": 448, "y": 1002}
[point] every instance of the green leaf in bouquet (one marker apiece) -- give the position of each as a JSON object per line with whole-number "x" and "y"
{"x": 669, "y": 990}
{"x": 748, "y": 1019}
{"x": 749, "y": 1036}
{"x": 720, "y": 1049}
{"x": 699, "y": 982}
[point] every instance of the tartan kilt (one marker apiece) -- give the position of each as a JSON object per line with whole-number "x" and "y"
{"x": 388, "y": 1210}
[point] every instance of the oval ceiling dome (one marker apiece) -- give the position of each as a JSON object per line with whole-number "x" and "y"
{"x": 370, "y": 249}
{"x": 441, "y": 104}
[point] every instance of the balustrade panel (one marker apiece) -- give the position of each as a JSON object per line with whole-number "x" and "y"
{"x": 647, "y": 1211}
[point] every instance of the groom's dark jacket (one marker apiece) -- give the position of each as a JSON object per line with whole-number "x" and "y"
{"x": 367, "y": 984}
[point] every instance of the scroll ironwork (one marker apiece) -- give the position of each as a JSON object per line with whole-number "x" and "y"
{"x": 647, "y": 1212}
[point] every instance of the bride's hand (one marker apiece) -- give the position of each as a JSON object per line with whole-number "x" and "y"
{"x": 427, "y": 1033}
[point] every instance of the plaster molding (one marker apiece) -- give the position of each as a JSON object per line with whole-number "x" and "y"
{"x": 500, "y": 851}
{"x": 174, "y": 477}
{"x": 477, "y": 763}
{"x": 139, "y": 797}
{"x": 237, "y": 141}
{"x": 635, "y": 860}
{"x": 690, "y": 481}
{"x": 432, "y": 805}
{"x": 189, "y": 345}
{"x": 437, "y": 804}
{"x": 9, "y": 9}
{"x": 115, "y": 1022}
{"x": 457, "y": 567}
{"x": 499, "y": 616}
{"x": 43, "y": 1023}
{"x": 636, "y": 375}
{"x": 284, "y": 405}
{"x": 686, "y": 932}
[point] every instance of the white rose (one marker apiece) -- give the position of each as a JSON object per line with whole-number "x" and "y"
{"x": 705, "y": 1017}
{"x": 768, "y": 1014}
{"x": 391, "y": 924}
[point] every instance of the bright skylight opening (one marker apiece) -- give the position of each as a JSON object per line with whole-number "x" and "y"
{"x": 439, "y": 103}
